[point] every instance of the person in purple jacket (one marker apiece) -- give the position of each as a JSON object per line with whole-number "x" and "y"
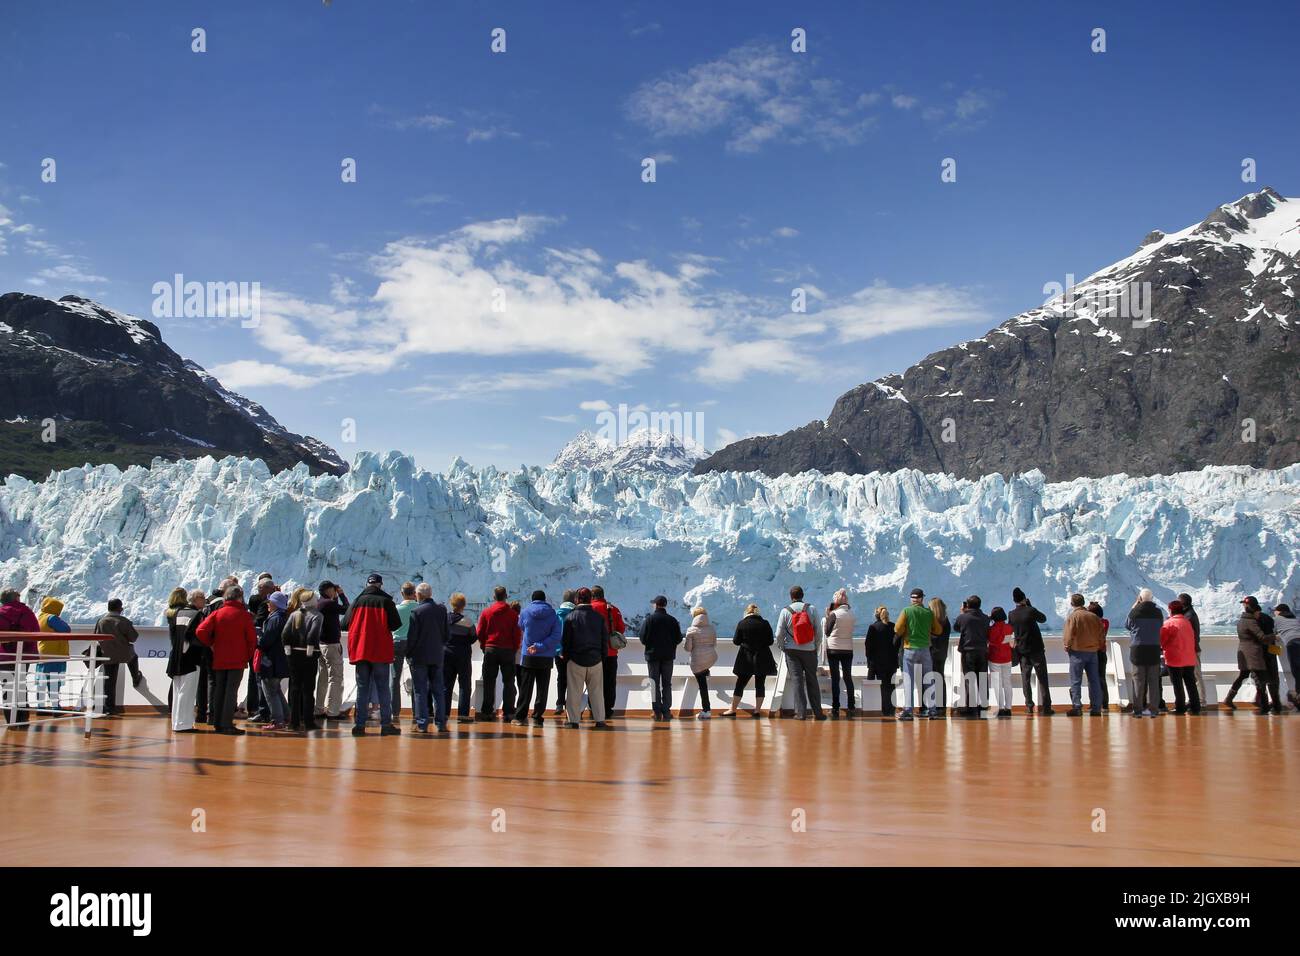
{"x": 16, "y": 616}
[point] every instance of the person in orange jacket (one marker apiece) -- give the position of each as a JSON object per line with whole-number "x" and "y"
{"x": 229, "y": 632}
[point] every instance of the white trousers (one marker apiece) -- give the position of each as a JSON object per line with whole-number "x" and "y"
{"x": 185, "y": 690}
{"x": 1000, "y": 678}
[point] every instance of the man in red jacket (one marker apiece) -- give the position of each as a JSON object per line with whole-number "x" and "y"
{"x": 17, "y": 616}
{"x": 614, "y": 622}
{"x": 370, "y": 622}
{"x": 499, "y": 637}
{"x": 230, "y": 633}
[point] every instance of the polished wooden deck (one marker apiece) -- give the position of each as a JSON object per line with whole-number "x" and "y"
{"x": 1216, "y": 790}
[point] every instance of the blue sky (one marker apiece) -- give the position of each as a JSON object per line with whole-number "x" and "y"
{"x": 521, "y": 171}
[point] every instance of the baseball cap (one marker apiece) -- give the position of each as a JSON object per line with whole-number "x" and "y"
{"x": 375, "y": 579}
{"x": 917, "y": 593}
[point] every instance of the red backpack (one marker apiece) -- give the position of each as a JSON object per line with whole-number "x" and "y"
{"x": 801, "y": 625}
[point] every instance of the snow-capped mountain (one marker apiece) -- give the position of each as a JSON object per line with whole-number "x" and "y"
{"x": 721, "y": 539}
{"x": 644, "y": 450}
{"x": 1094, "y": 382}
{"x": 117, "y": 393}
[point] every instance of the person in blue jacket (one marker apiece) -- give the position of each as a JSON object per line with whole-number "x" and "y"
{"x": 272, "y": 662}
{"x": 542, "y": 630}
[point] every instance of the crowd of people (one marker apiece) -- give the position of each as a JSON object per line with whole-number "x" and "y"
{"x": 296, "y": 637}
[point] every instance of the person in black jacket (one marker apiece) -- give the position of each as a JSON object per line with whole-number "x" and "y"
{"x": 457, "y": 665}
{"x": 660, "y": 635}
{"x": 1024, "y": 620}
{"x": 332, "y": 604}
{"x": 754, "y": 659}
{"x": 882, "y": 658}
{"x": 583, "y": 648}
{"x": 255, "y": 705}
{"x": 427, "y": 632}
{"x": 301, "y": 636}
{"x": 184, "y": 661}
{"x": 972, "y": 625}
{"x": 939, "y": 650}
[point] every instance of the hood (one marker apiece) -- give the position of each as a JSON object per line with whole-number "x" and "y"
{"x": 52, "y": 606}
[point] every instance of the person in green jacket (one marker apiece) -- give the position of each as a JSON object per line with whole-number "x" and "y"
{"x": 916, "y": 625}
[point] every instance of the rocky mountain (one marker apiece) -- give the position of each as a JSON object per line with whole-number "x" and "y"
{"x": 644, "y": 451}
{"x": 116, "y": 393}
{"x": 1184, "y": 354}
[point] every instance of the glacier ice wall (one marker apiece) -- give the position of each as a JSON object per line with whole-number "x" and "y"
{"x": 721, "y": 539}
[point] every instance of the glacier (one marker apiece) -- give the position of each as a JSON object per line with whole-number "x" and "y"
{"x": 722, "y": 539}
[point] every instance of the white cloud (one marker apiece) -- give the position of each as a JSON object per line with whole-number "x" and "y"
{"x": 785, "y": 232}
{"x": 599, "y": 405}
{"x": 248, "y": 373}
{"x": 423, "y": 121}
{"x": 563, "y": 419}
{"x": 903, "y": 101}
{"x": 758, "y": 93}
{"x": 67, "y": 274}
{"x": 881, "y": 309}
{"x": 730, "y": 363}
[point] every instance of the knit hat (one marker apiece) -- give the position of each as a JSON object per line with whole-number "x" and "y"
{"x": 278, "y": 599}
{"x": 1017, "y": 595}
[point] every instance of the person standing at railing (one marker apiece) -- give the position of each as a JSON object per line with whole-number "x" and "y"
{"x": 370, "y": 623}
{"x": 16, "y": 616}
{"x": 754, "y": 638}
{"x": 499, "y": 638}
{"x": 660, "y": 635}
{"x": 332, "y": 605}
{"x": 1194, "y": 619}
{"x": 1097, "y": 609}
{"x": 404, "y": 609}
{"x": 116, "y": 651}
{"x": 939, "y": 652}
{"x": 50, "y": 674}
{"x": 458, "y": 661}
{"x": 562, "y": 672}
{"x": 426, "y": 648}
{"x": 1082, "y": 636}
{"x": 1178, "y": 641}
{"x": 1000, "y": 665}
{"x": 800, "y": 640}
{"x": 205, "y": 705}
{"x": 256, "y": 707}
{"x": 1024, "y": 620}
{"x": 617, "y": 641}
{"x": 1288, "y": 633}
{"x": 838, "y": 650}
{"x": 271, "y": 660}
{"x": 542, "y": 631}
{"x": 916, "y": 626}
{"x": 1144, "y": 623}
{"x": 584, "y": 645}
{"x": 1252, "y": 646}
{"x": 972, "y": 626}
{"x": 882, "y": 658}
{"x": 301, "y": 636}
{"x": 702, "y": 645}
{"x": 185, "y": 657}
{"x": 230, "y": 633}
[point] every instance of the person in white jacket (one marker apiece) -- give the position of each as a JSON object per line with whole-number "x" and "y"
{"x": 702, "y": 645}
{"x": 838, "y": 650}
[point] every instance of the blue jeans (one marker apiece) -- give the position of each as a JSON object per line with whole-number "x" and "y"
{"x": 916, "y": 667}
{"x": 49, "y": 683}
{"x": 273, "y": 696}
{"x": 661, "y": 689}
{"x": 426, "y": 679}
{"x": 1081, "y": 662}
{"x": 372, "y": 681}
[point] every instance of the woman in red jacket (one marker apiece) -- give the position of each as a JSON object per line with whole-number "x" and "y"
{"x": 230, "y": 633}
{"x": 1178, "y": 641}
{"x": 1000, "y": 660}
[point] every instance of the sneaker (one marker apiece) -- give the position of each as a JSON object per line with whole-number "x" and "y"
{"x": 421, "y": 728}
{"x": 1074, "y": 712}
{"x": 522, "y": 722}
{"x": 571, "y": 725}
{"x": 390, "y": 730}
{"x": 703, "y": 715}
{"x": 905, "y": 715}
{"x": 1094, "y": 712}
{"x": 821, "y": 716}
{"x": 230, "y": 731}
{"x": 601, "y": 725}
{"x": 1004, "y": 713}
{"x": 358, "y": 731}
{"x": 1047, "y": 711}
{"x": 539, "y": 722}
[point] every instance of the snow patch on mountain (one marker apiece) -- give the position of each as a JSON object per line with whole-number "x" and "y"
{"x": 644, "y": 450}
{"x": 722, "y": 539}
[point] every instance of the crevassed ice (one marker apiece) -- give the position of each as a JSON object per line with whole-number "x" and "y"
{"x": 722, "y": 539}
